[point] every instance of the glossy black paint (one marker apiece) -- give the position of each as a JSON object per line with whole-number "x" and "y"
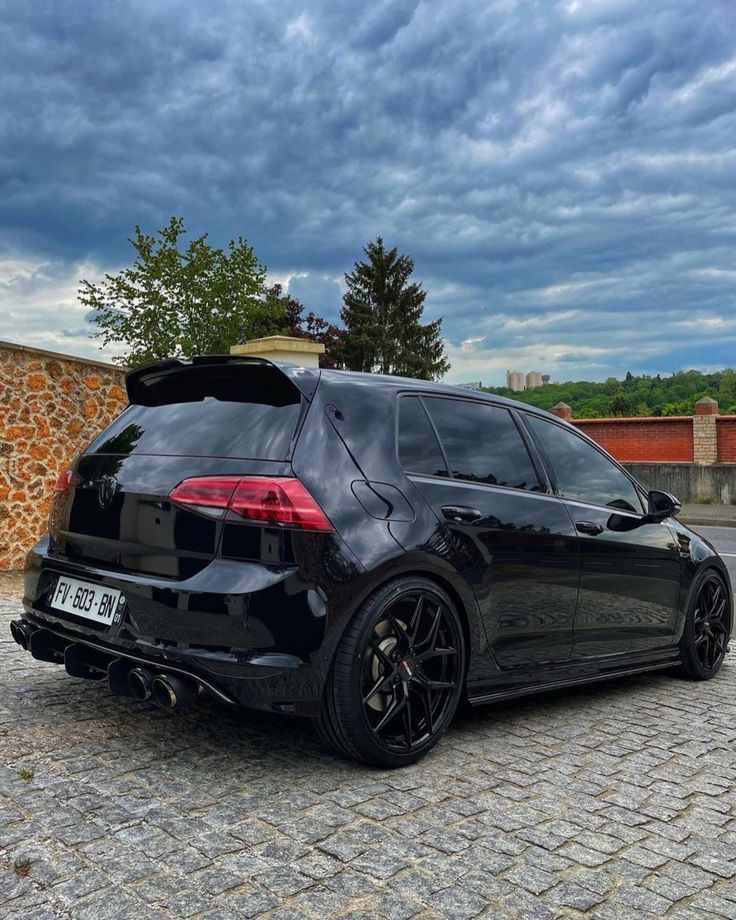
{"x": 257, "y": 611}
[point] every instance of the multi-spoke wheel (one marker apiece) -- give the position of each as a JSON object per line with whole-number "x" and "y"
{"x": 707, "y": 628}
{"x": 397, "y": 675}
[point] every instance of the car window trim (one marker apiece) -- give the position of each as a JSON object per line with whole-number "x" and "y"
{"x": 397, "y": 416}
{"x": 582, "y": 437}
{"x": 542, "y": 480}
{"x": 474, "y": 484}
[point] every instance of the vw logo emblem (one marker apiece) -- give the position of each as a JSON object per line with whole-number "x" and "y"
{"x": 106, "y": 490}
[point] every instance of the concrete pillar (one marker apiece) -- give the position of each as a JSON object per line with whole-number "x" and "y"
{"x": 705, "y": 431}
{"x": 303, "y": 352}
{"x": 562, "y": 410}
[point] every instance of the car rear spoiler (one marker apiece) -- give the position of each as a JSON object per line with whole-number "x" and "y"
{"x": 145, "y": 383}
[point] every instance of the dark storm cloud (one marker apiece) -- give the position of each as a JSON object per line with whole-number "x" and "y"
{"x": 562, "y": 172}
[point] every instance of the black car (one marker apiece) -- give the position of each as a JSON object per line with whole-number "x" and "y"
{"x": 364, "y": 550}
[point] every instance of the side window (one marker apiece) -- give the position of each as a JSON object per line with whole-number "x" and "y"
{"x": 419, "y": 451}
{"x": 482, "y": 443}
{"x": 580, "y": 471}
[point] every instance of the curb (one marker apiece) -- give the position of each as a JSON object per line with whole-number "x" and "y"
{"x": 707, "y": 522}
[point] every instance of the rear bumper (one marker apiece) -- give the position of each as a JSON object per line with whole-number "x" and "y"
{"x": 249, "y": 633}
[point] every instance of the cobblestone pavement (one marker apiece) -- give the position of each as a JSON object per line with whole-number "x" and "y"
{"x": 616, "y": 801}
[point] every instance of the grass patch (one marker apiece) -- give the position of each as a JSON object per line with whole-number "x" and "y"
{"x": 26, "y": 773}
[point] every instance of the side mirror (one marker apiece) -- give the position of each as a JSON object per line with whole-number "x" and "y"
{"x": 662, "y": 505}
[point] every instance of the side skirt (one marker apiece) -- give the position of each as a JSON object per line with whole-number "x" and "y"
{"x": 512, "y": 692}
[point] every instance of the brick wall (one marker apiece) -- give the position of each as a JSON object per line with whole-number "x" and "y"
{"x": 667, "y": 439}
{"x": 51, "y": 405}
{"x": 726, "y": 433}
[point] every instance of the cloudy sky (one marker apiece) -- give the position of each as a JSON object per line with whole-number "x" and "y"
{"x": 563, "y": 173}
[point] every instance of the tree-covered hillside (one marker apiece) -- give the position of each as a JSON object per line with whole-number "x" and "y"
{"x": 675, "y": 394}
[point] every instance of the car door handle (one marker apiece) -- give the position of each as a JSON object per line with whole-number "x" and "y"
{"x": 589, "y": 527}
{"x": 461, "y": 513}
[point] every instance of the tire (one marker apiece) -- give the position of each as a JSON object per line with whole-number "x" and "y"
{"x": 707, "y": 628}
{"x": 397, "y": 676}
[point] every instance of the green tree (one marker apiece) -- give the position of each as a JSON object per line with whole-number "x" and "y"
{"x": 382, "y": 314}
{"x": 177, "y": 301}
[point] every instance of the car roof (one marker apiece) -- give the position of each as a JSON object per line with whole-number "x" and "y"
{"x": 428, "y": 387}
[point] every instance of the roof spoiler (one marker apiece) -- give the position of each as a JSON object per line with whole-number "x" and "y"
{"x": 140, "y": 381}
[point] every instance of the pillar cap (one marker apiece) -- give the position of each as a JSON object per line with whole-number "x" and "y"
{"x": 706, "y": 406}
{"x": 562, "y": 410}
{"x": 278, "y": 343}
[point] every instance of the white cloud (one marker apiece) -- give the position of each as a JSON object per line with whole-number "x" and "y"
{"x": 300, "y": 28}
{"x": 39, "y": 306}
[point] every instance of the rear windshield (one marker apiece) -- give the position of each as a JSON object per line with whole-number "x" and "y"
{"x": 231, "y": 412}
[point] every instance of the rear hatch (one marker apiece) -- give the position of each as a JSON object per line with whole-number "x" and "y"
{"x": 211, "y": 417}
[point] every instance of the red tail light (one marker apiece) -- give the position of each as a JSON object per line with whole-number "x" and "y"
{"x": 266, "y": 499}
{"x": 63, "y": 483}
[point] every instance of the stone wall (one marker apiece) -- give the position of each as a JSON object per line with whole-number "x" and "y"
{"x": 51, "y": 406}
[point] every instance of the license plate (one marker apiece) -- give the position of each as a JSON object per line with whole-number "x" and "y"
{"x": 93, "y": 602}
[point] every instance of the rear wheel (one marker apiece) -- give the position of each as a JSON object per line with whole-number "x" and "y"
{"x": 707, "y": 629}
{"x": 397, "y": 675}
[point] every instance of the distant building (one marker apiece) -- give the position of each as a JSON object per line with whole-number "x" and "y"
{"x": 515, "y": 381}
{"x": 545, "y": 379}
{"x": 475, "y": 385}
{"x": 534, "y": 379}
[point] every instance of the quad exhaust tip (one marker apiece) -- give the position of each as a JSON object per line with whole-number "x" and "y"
{"x": 139, "y": 683}
{"x": 21, "y": 633}
{"x": 173, "y": 692}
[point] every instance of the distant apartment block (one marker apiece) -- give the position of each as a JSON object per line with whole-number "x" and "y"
{"x": 474, "y": 385}
{"x": 515, "y": 381}
{"x": 519, "y": 381}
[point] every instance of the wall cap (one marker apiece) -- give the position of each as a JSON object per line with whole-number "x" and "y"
{"x": 59, "y": 355}
{"x": 638, "y": 419}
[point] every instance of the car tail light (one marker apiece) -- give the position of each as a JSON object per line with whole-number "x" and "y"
{"x": 264, "y": 499}
{"x": 63, "y": 483}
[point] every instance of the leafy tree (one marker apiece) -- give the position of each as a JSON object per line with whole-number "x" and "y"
{"x": 639, "y": 396}
{"x": 382, "y": 314}
{"x": 175, "y": 301}
{"x": 292, "y": 322}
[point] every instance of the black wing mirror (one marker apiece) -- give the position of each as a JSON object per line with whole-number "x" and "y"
{"x": 662, "y": 505}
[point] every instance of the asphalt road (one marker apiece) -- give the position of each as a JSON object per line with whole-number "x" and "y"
{"x": 724, "y": 540}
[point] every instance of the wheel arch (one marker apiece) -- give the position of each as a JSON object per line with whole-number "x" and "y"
{"x": 433, "y": 570}
{"x": 708, "y": 564}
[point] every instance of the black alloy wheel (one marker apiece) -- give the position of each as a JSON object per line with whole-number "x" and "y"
{"x": 398, "y": 675}
{"x": 707, "y": 629}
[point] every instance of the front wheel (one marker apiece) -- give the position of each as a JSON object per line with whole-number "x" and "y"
{"x": 707, "y": 629}
{"x": 397, "y": 676}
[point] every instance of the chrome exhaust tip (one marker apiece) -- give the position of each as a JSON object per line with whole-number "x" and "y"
{"x": 21, "y": 633}
{"x": 173, "y": 692}
{"x": 139, "y": 683}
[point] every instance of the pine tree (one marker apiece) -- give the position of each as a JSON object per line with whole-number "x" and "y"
{"x": 382, "y": 314}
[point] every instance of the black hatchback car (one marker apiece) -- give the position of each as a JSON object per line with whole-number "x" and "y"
{"x": 364, "y": 550}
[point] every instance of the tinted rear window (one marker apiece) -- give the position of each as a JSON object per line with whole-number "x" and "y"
{"x": 227, "y": 413}
{"x": 482, "y": 443}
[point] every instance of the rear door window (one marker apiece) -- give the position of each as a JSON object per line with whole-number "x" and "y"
{"x": 482, "y": 443}
{"x": 419, "y": 450}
